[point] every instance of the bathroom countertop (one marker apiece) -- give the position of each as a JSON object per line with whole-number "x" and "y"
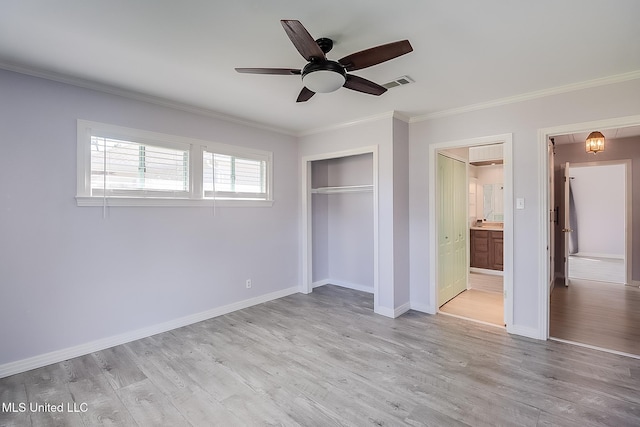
{"x": 488, "y": 227}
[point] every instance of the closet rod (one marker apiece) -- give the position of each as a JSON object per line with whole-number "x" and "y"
{"x": 343, "y": 189}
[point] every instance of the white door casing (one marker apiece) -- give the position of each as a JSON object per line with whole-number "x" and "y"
{"x": 566, "y": 229}
{"x": 543, "y": 174}
{"x": 507, "y": 141}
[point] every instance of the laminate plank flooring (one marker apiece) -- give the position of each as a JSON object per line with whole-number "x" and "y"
{"x": 605, "y": 315}
{"x": 325, "y": 359}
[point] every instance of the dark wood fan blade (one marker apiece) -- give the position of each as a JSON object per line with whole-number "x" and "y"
{"x": 305, "y": 95}
{"x": 375, "y": 55}
{"x": 283, "y": 71}
{"x": 302, "y": 40}
{"x": 363, "y": 85}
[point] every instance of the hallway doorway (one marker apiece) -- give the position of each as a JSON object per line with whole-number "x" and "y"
{"x": 591, "y": 311}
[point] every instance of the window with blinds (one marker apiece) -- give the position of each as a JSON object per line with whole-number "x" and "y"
{"x": 228, "y": 176}
{"x": 120, "y": 166}
{"x": 129, "y": 168}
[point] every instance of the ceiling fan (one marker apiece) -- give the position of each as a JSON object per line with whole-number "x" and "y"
{"x": 324, "y": 75}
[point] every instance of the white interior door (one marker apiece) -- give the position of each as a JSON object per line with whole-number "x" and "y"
{"x": 460, "y": 227}
{"x": 567, "y": 225}
{"x": 453, "y": 266}
{"x": 552, "y": 217}
{"x": 445, "y": 230}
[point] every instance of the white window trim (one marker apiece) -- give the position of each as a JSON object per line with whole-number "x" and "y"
{"x": 196, "y": 147}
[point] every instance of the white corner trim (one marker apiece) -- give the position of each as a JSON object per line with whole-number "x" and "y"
{"x": 385, "y": 311}
{"x": 399, "y": 311}
{"x": 393, "y": 313}
{"x": 56, "y": 356}
{"x": 618, "y": 78}
{"x": 320, "y": 283}
{"x": 401, "y": 116}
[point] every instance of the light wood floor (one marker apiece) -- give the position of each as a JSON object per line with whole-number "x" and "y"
{"x": 601, "y": 314}
{"x": 483, "y": 300}
{"x": 325, "y": 359}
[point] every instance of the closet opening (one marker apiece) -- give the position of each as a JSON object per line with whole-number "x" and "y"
{"x": 340, "y": 244}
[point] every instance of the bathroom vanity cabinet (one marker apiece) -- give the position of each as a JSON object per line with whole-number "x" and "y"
{"x": 486, "y": 249}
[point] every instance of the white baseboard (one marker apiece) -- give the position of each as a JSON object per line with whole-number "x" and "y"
{"x": 486, "y": 271}
{"x": 343, "y": 284}
{"x": 56, "y": 356}
{"x": 385, "y": 311}
{"x": 399, "y": 311}
{"x": 392, "y": 313}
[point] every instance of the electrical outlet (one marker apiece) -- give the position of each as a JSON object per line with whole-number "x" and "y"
{"x": 248, "y": 283}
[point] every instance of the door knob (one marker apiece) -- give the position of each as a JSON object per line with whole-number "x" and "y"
{"x": 567, "y": 230}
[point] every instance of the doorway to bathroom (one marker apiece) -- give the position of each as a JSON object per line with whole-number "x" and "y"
{"x": 474, "y": 214}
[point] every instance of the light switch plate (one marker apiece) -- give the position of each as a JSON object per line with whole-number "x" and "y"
{"x": 520, "y": 203}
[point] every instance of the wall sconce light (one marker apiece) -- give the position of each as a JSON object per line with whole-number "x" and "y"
{"x": 595, "y": 142}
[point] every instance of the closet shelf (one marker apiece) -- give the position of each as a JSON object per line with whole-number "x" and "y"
{"x": 343, "y": 189}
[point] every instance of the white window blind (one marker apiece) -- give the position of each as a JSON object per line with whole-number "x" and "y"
{"x": 228, "y": 176}
{"x": 124, "y": 168}
{"x": 120, "y": 166}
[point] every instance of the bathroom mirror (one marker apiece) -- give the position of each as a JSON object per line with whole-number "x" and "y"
{"x": 493, "y": 202}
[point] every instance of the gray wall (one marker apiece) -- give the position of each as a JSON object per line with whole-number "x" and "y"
{"x": 401, "y": 212}
{"x": 69, "y": 277}
{"x": 616, "y": 149}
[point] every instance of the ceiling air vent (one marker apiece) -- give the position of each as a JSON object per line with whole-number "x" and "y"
{"x": 404, "y": 80}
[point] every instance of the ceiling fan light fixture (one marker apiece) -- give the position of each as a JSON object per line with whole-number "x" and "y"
{"x": 595, "y": 142}
{"x": 323, "y": 77}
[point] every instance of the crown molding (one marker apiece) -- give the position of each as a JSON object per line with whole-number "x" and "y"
{"x": 618, "y": 78}
{"x": 138, "y": 96}
{"x": 368, "y": 119}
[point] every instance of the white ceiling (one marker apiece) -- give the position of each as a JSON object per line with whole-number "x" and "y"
{"x": 466, "y": 52}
